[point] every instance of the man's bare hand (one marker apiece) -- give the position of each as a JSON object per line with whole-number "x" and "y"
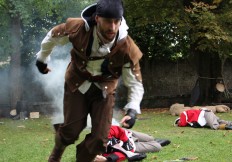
{"x": 100, "y": 158}
{"x": 123, "y": 121}
{"x": 47, "y": 70}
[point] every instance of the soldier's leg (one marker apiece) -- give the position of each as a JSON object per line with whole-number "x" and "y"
{"x": 211, "y": 120}
{"x": 145, "y": 143}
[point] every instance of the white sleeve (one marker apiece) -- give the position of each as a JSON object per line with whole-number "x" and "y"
{"x": 135, "y": 89}
{"x": 48, "y": 44}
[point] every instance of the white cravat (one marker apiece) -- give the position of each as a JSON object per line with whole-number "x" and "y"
{"x": 94, "y": 66}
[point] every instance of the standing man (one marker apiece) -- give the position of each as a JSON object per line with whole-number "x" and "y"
{"x": 102, "y": 52}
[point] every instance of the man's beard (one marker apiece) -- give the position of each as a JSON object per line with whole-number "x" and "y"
{"x": 103, "y": 37}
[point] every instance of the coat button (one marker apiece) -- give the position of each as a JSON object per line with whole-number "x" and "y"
{"x": 76, "y": 84}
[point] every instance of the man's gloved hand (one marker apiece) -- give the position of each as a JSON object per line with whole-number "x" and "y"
{"x": 112, "y": 141}
{"x": 42, "y": 67}
{"x": 127, "y": 145}
{"x": 131, "y": 121}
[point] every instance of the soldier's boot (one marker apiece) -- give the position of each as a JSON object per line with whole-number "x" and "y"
{"x": 228, "y": 127}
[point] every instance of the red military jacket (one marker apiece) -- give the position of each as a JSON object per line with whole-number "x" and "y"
{"x": 191, "y": 117}
{"x": 123, "y": 136}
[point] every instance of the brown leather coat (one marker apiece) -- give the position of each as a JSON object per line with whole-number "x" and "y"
{"x": 124, "y": 51}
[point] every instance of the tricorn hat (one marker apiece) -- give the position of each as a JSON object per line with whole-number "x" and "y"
{"x": 110, "y": 9}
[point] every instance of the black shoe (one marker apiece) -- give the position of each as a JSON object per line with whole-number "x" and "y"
{"x": 228, "y": 127}
{"x": 163, "y": 142}
{"x": 138, "y": 157}
{"x": 17, "y": 117}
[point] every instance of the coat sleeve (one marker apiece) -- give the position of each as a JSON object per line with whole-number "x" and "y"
{"x": 53, "y": 38}
{"x": 183, "y": 120}
{"x": 119, "y": 133}
{"x": 115, "y": 156}
{"x": 135, "y": 89}
{"x": 132, "y": 78}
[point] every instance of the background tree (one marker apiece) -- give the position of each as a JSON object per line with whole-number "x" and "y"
{"x": 199, "y": 31}
{"x": 210, "y": 45}
{"x": 24, "y": 23}
{"x": 164, "y": 30}
{"x": 158, "y": 28}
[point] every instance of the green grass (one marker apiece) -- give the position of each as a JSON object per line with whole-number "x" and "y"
{"x": 32, "y": 140}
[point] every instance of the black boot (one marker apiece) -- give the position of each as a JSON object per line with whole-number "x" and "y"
{"x": 163, "y": 142}
{"x": 57, "y": 150}
{"x": 228, "y": 127}
{"x": 137, "y": 157}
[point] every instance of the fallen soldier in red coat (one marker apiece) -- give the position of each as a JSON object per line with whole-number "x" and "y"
{"x": 202, "y": 118}
{"x": 131, "y": 145}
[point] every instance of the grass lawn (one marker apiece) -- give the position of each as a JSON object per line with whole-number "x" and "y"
{"x": 32, "y": 140}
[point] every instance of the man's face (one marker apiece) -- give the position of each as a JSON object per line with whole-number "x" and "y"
{"x": 108, "y": 27}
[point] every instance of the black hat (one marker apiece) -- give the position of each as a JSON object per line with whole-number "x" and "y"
{"x": 110, "y": 9}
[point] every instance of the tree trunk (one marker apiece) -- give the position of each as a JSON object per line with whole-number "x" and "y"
{"x": 210, "y": 73}
{"x": 15, "y": 64}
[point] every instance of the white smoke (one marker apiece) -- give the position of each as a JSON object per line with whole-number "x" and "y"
{"x": 53, "y": 82}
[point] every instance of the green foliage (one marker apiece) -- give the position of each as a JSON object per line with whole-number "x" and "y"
{"x": 37, "y": 18}
{"x": 149, "y": 11}
{"x": 161, "y": 41}
{"x": 4, "y": 35}
{"x": 209, "y": 24}
{"x": 158, "y": 28}
{"x": 209, "y": 31}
